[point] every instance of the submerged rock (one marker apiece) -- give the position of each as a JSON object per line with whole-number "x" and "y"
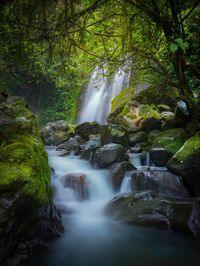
{"x": 56, "y": 133}
{"x": 186, "y": 163}
{"x": 148, "y": 209}
{"x": 109, "y": 154}
{"x": 77, "y": 182}
{"x": 26, "y": 209}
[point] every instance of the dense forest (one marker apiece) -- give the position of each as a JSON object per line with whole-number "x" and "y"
{"x": 99, "y": 128}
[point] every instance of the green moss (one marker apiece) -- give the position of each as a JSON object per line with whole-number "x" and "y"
{"x": 122, "y": 98}
{"x": 25, "y": 163}
{"x": 171, "y": 140}
{"x": 23, "y": 159}
{"x": 190, "y": 148}
{"x": 147, "y": 111}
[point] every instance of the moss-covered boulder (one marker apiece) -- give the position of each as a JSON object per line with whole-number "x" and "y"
{"x": 156, "y": 95}
{"x": 56, "y": 133}
{"x": 114, "y": 134}
{"x": 166, "y": 144}
{"x": 26, "y": 208}
{"x": 186, "y": 163}
{"x": 149, "y": 209}
{"x": 135, "y": 116}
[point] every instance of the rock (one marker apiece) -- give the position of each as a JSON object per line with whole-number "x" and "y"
{"x": 109, "y": 154}
{"x": 160, "y": 156}
{"x": 88, "y": 149}
{"x": 148, "y": 209}
{"x": 180, "y": 119}
{"x": 79, "y": 139}
{"x": 69, "y": 146}
{"x": 86, "y": 129}
{"x": 156, "y": 95}
{"x": 77, "y": 182}
{"x": 26, "y": 209}
{"x": 114, "y": 134}
{"x": 163, "y": 108}
{"x": 152, "y": 135}
{"x": 167, "y": 116}
{"x": 56, "y": 133}
{"x": 161, "y": 182}
{"x": 136, "y": 117}
{"x": 166, "y": 144}
{"x": 185, "y": 163}
{"x": 117, "y": 172}
{"x": 137, "y": 148}
{"x": 135, "y": 138}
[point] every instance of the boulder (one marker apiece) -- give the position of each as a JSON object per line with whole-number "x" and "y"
{"x": 56, "y": 133}
{"x": 163, "y": 108}
{"x": 167, "y": 116}
{"x": 109, "y": 154}
{"x": 77, "y": 182}
{"x": 148, "y": 209}
{"x": 161, "y": 182}
{"x": 136, "y": 117}
{"x": 166, "y": 144}
{"x": 117, "y": 172}
{"x": 27, "y": 212}
{"x": 185, "y": 163}
{"x": 138, "y": 137}
{"x": 69, "y": 146}
{"x": 88, "y": 149}
{"x": 114, "y": 134}
{"x": 86, "y": 129}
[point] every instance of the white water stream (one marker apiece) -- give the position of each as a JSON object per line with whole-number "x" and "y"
{"x": 100, "y": 92}
{"x": 92, "y": 239}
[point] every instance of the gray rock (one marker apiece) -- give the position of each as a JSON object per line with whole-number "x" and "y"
{"x": 138, "y": 137}
{"x": 109, "y": 154}
{"x": 161, "y": 182}
{"x": 68, "y": 146}
{"x": 160, "y": 156}
{"x": 86, "y": 129}
{"x": 150, "y": 210}
{"x": 88, "y": 149}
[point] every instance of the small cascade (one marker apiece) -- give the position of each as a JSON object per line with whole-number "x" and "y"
{"x": 100, "y": 92}
{"x": 151, "y": 177}
{"x": 126, "y": 183}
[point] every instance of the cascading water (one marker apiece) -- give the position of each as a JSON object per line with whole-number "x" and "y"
{"x": 92, "y": 239}
{"x": 100, "y": 92}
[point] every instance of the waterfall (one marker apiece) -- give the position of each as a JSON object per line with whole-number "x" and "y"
{"x": 100, "y": 92}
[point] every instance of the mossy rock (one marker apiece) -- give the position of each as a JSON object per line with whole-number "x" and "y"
{"x": 27, "y": 212}
{"x": 157, "y": 95}
{"x": 149, "y": 209}
{"x": 166, "y": 144}
{"x": 24, "y": 168}
{"x": 122, "y": 98}
{"x": 185, "y": 163}
{"x": 171, "y": 140}
{"x": 135, "y": 117}
{"x": 114, "y": 134}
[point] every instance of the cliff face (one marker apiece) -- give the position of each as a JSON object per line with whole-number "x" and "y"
{"x": 27, "y": 214}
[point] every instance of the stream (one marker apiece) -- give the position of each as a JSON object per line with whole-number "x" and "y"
{"x": 92, "y": 239}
